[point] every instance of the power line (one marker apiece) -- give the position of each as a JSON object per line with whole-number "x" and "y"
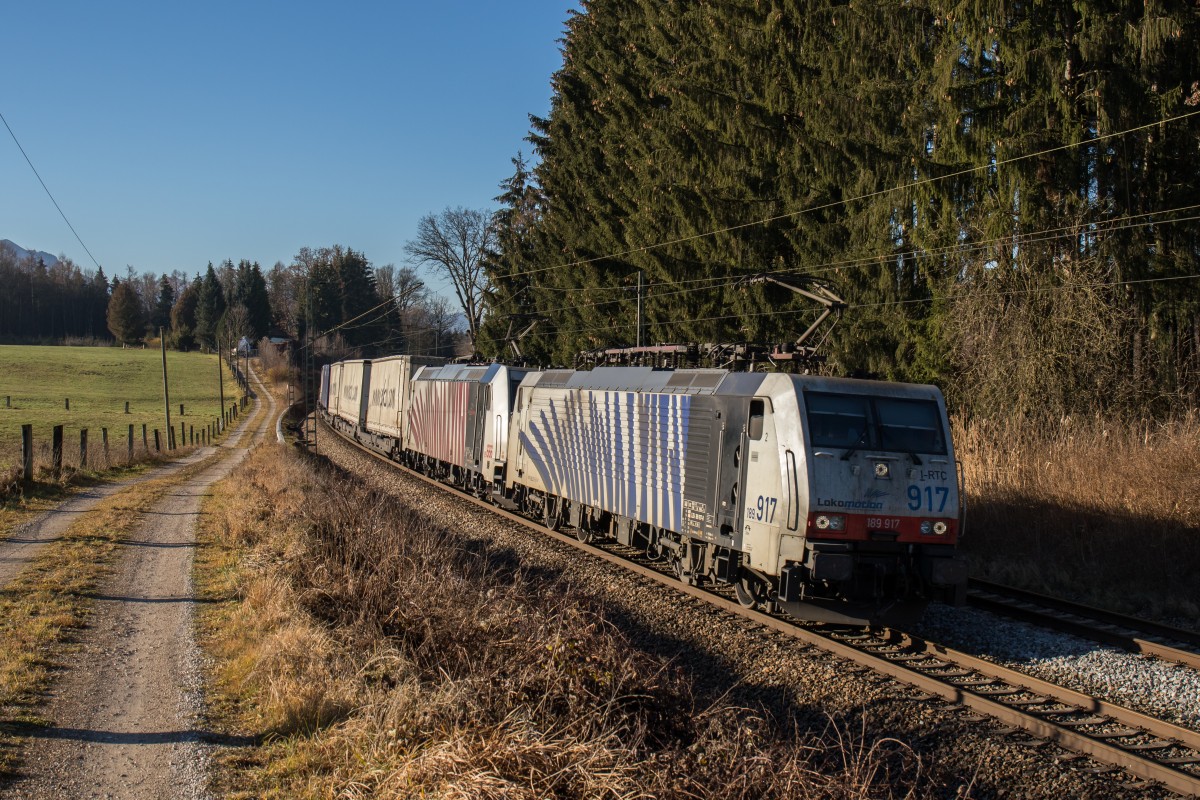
{"x": 866, "y": 196}
{"x": 887, "y": 303}
{"x": 48, "y": 194}
{"x": 1019, "y": 240}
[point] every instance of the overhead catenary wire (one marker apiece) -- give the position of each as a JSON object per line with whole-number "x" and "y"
{"x": 1019, "y": 240}
{"x": 915, "y": 301}
{"x": 880, "y": 259}
{"x": 992, "y": 165}
{"x": 337, "y": 328}
{"x": 48, "y": 192}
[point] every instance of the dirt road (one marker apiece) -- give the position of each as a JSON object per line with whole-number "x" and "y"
{"x": 125, "y": 714}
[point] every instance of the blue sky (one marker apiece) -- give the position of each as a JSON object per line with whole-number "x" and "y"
{"x": 173, "y": 134}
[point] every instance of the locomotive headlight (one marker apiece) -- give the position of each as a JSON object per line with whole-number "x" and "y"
{"x": 830, "y": 522}
{"x": 939, "y": 527}
{"x": 881, "y": 469}
{"x": 926, "y": 527}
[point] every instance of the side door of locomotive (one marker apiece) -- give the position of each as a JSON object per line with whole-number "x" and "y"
{"x": 764, "y": 505}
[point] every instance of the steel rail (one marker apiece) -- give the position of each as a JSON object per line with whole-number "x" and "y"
{"x": 1128, "y": 633}
{"x": 900, "y": 664}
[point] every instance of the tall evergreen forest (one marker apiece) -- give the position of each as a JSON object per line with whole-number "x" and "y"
{"x": 1004, "y": 193}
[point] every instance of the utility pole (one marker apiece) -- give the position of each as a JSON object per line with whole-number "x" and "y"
{"x": 162, "y": 340}
{"x": 220, "y": 377}
{"x": 309, "y": 364}
{"x": 639, "y": 316}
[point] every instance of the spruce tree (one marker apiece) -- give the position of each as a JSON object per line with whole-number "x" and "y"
{"x": 183, "y": 316}
{"x": 126, "y": 321}
{"x": 210, "y": 307}
{"x": 163, "y": 305}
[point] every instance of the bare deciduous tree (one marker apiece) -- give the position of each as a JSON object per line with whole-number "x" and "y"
{"x": 454, "y": 243}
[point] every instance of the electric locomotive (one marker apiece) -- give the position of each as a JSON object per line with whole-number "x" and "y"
{"x": 832, "y": 499}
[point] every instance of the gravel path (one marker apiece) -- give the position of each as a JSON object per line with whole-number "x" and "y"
{"x": 27, "y": 541}
{"x": 749, "y": 666}
{"x": 125, "y": 713}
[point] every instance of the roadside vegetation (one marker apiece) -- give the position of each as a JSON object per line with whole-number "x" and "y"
{"x": 1094, "y": 510}
{"x": 376, "y": 653}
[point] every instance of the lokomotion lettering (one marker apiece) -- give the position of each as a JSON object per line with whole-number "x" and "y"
{"x": 866, "y": 505}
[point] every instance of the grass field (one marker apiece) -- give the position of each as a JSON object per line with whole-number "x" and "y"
{"x": 99, "y": 381}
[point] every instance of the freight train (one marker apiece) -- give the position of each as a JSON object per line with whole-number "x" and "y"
{"x": 830, "y": 499}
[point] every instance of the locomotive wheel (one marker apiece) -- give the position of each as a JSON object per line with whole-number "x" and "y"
{"x": 583, "y": 534}
{"x": 750, "y": 591}
{"x": 551, "y": 516}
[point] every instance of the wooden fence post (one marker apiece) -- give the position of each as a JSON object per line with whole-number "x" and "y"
{"x": 56, "y": 444}
{"x": 67, "y": 403}
{"x": 27, "y": 452}
{"x": 157, "y": 443}
{"x": 181, "y": 409}
{"x": 126, "y": 406}
{"x": 130, "y": 456}
{"x": 104, "y": 439}
{"x": 191, "y": 434}
{"x": 145, "y": 443}
{"x": 82, "y": 448}
{"x": 8, "y": 401}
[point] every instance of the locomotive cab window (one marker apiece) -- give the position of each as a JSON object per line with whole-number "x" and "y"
{"x": 755, "y": 429}
{"x": 911, "y": 425}
{"x": 838, "y": 420}
{"x": 851, "y": 422}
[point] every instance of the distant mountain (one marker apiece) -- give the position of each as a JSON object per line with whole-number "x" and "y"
{"x": 21, "y": 252}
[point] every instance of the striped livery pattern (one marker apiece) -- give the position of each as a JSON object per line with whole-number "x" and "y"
{"x": 620, "y": 451}
{"x": 437, "y": 420}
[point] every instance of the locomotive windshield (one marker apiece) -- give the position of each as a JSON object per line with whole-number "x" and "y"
{"x": 854, "y": 421}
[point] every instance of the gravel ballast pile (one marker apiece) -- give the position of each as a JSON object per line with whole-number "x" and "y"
{"x": 1142, "y": 683}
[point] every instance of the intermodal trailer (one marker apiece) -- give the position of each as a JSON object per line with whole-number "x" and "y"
{"x": 351, "y": 412}
{"x": 323, "y": 392}
{"x": 388, "y": 395}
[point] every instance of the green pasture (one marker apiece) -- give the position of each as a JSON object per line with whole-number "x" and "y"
{"x": 98, "y": 381}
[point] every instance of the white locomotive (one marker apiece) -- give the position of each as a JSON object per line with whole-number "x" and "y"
{"x": 833, "y": 499}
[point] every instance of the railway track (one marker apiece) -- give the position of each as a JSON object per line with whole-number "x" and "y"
{"x": 1150, "y": 749}
{"x": 1128, "y": 633}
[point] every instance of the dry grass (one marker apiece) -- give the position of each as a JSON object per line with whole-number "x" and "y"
{"x": 379, "y": 654}
{"x": 1101, "y": 511}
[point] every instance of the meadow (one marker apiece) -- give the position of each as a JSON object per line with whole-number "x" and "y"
{"x": 37, "y": 381}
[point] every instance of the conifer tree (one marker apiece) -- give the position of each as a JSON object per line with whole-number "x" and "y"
{"x": 125, "y": 316}
{"x": 163, "y": 305}
{"x": 210, "y": 307}
{"x": 183, "y": 316}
